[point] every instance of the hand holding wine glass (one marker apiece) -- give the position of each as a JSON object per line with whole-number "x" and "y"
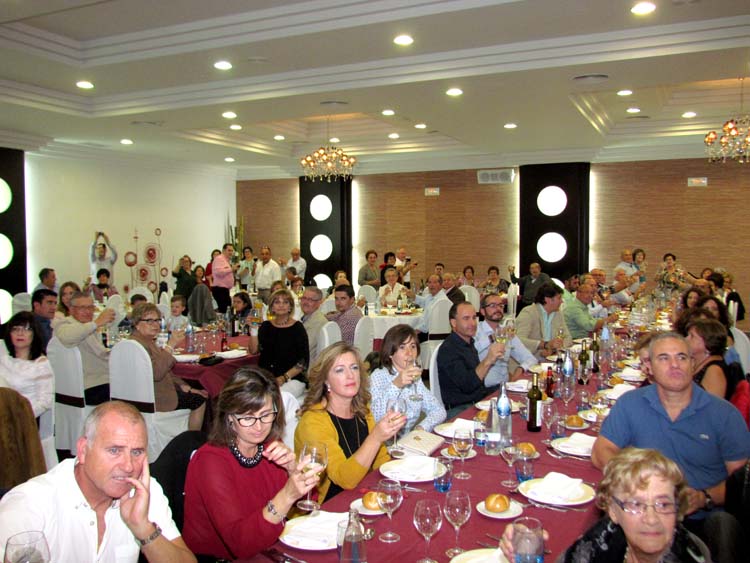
{"x": 393, "y": 408}
{"x": 390, "y": 496}
{"x": 428, "y": 519}
{"x": 457, "y": 511}
{"x": 315, "y": 457}
{"x": 416, "y": 372}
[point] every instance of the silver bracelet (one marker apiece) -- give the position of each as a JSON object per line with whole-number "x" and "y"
{"x": 152, "y": 537}
{"x": 272, "y": 509}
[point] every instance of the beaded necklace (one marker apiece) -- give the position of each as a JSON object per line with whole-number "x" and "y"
{"x": 246, "y": 461}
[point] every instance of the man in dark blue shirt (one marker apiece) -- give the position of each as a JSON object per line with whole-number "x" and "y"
{"x": 44, "y": 305}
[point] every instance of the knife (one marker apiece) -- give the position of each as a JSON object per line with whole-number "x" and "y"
{"x": 292, "y": 558}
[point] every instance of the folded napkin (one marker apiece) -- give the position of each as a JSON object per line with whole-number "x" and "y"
{"x": 187, "y": 358}
{"x": 459, "y": 424}
{"x": 579, "y": 444}
{"x": 232, "y": 354}
{"x": 317, "y": 531}
{"x": 521, "y": 385}
{"x": 619, "y": 390}
{"x": 556, "y": 487}
{"x": 412, "y": 468}
{"x": 631, "y": 373}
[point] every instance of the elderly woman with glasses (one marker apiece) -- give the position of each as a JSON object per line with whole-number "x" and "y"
{"x": 644, "y": 497}
{"x": 243, "y": 482}
{"x": 170, "y": 392}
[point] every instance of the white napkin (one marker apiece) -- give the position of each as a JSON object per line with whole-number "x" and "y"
{"x": 619, "y": 390}
{"x": 556, "y": 487}
{"x": 579, "y": 444}
{"x": 186, "y": 358}
{"x": 521, "y": 385}
{"x": 459, "y": 424}
{"x": 631, "y": 373}
{"x": 232, "y": 354}
{"x": 318, "y": 531}
{"x": 412, "y": 468}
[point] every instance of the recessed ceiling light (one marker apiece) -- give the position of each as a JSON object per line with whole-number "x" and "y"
{"x": 388, "y": 112}
{"x": 235, "y": 127}
{"x": 84, "y": 85}
{"x": 394, "y": 136}
{"x": 624, "y": 92}
{"x": 420, "y": 126}
{"x": 229, "y": 115}
{"x": 334, "y": 140}
{"x": 591, "y": 78}
{"x": 689, "y": 114}
{"x": 510, "y": 125}
{"x": 229, "y": 159}
{"x": 643, "y": 8}
{"x": 126, "y": 142}
{"x": 403, "y": 40}
{"x": 454, "y": 91}
{"x": 633, "y": 110}
{"x": 222, "y": 65}
{"x": 278, "y": 137}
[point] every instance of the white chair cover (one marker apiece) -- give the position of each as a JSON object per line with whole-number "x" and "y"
{"x": 368, "y": 292}
{"x": 164, "y": 309}
{"x": 115, "y": 303}
{"x": 434, "y": 380}
{"x": 512, "y": 300}
{"x": 164, "y": 299}
{"x": 47, "y": 435}
{"x": 472, "y": 295}
{"x": 328, "y": 305}
{"x": 329, "y": 333}
{"x": 21, "y": 302}
{"x": 70, "y": 406}
{"x": 438, "y": 330}
{"x": 146, "y": 292}
{"x": 291, "y": 406}
{"x": 131, "y": 379}
{"x": 742, "y": 345}
{"x": 364, "y": 335}
{"x": 732, "y": 310}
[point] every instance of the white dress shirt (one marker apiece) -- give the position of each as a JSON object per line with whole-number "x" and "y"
{"x": 514, "y": 348}
{"x": 426, "y": 302}
{"x": 299, "y": 265}
{"x": 266, "y": 274}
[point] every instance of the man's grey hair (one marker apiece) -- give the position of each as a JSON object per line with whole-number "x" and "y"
{"x": 316, "y": 290}
{"x": 659, "y": 336}
{"x": 79, "y": 295}
{"x": 125, "y": 410}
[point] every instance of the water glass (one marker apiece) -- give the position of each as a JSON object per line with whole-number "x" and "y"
{"x": 443, "y": 474}
{"x": 492, "y": 444}
{"x": 528, "y": 541}
{"x": 480, "y": 432}
{"x": 582, "y": 399}
{"x": 524, "y": 468}
{"x": 558, "y": 428}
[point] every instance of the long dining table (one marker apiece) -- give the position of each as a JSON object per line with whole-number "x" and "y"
{"x": 564, "y": 525}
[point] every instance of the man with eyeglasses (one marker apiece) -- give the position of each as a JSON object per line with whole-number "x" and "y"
{"x": 81, "y": 330}
{"x": 706, "y": 436}
{"x": 313, "y": 318}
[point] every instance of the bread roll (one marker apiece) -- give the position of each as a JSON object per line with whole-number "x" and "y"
{"x": 497, "y": 502}
{"x": 526, "y": 448}
{"x": 370, "y": 500}
{"x": 574, "y": 420}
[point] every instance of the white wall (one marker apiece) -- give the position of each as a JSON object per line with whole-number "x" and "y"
{"x": 69, "y": 199}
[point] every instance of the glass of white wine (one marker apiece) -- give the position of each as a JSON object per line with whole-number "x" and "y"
{"x": 315, "y": 456}
{"x": 415, "y": 396}
{"x": 27, "y": 547}
{"x": 396, "y": 406}
{"x": 463, "y": 442}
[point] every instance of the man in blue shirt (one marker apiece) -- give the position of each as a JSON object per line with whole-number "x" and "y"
{"x": 706, "y": 436}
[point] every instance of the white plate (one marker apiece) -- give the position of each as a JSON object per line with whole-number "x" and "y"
{"x": 584, "y": 427}
{"x": 559, "y": 445}
{"x": 637, "y": 378}
{"x": 330, "y": 539}
{"x": 526, "y": 489}
{"x": 515, "y": 509}
{"x": 414, "y": 469}
{"x": 590, "y": 415}
{"x": 480, "y": 556}
{"x": 446, "y": 429}
{"x": 186, "y": 358}
{"x": 472, "y": 454}
{"x": 362, "y": 509}
{"x": 515, "y": 406}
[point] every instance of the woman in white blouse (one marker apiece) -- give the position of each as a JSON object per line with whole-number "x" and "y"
{"x": 389, "y": 293}
{"x": 25, "y": 368}
{"x": 399, "y": 376}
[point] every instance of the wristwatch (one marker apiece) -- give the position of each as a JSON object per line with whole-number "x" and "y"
{"x": 152, "y": 537}
{"x": 709, "y": 501}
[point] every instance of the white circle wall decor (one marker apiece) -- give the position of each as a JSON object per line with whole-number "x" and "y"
{"x": 552, "y": 201}
{"x": 6, "y": 305}
{"x": 323, "y": 281}
{"x": 6, "y": 251}
{"x": 6, "y": 196}
{"x": 551, "y": 247}
{"x": 321, "y": 247}
{"x": 321, "y": 207}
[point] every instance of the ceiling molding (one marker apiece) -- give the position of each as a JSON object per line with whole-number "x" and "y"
{"x": 22, "y": 141}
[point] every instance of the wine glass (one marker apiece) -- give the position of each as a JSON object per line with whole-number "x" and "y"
{"x": 457, "y": 510}
{"x": 568, "y": 390}
{"x": 501, "y": 334}
{"x": 395, "y": 406}
{"x": 510, "y": 453}
{"x": 510, "y": 328}
{"x": 463, "y": 441}
{"x": 415, "y": 396}
{"x": 599, "y": 404}
{"x": 428, "y": 519}
{"x": 315, "y": 456}
{"x": 549, "y": 412}
{"x": 389, "y": 499}
{"x": 27, "y": 547}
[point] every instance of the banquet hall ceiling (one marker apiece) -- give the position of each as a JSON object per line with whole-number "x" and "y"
{"x": 151, "y": 64}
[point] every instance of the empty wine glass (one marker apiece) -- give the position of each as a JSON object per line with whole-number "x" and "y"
{"x": 463, "y": 441}
{"x": 428, "y": 519}
{"x": 549, "y": 413}
{"x": 415, "y": 396}
{"x": 568, "y": 391}
{"x": 27, "y": 547}
{"x": 315, "y": 456}
{"x": 389, "y": 499}
{"x": 457, "y": 511}
{"x": 510, "y": 453}
{"x": 395, "y": 406}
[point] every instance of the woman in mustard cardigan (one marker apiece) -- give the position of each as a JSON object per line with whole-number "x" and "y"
{"x": 336, "y": 412}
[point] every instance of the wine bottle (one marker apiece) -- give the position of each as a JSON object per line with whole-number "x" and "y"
{"x": 550, "y": 383}
{"x": 583, "y": 361}
{"x": 533, "y": 399}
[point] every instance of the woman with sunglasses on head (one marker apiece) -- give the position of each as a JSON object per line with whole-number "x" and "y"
{"x": 243, "y": 482}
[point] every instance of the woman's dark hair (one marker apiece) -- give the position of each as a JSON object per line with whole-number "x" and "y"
{"x": 214, "y": 253}
{"x": 371, "y": 251}
{"x": 25, "y": 318}
{"x": 717, "y": 278}
{"x": 690, "y": 315}
{"x": 60, "y": 305}
{"x": 667, "y": 255}
{"x": 388, "y": 255}
{"x": 637, "y": 251}
{"x": 195, "y": 271}
{"x": 394, "y": 338}
{"x": 723, "y": 312}
{"x": 244, "y": 248}
{"x": 468, "y": 268}
{"x": 246, "y": 392}
{"x": 692, "y": 289}
{"x": 495, "y": 268}
{"x": 102, "y": 272}
{"x": 713, "y": 333}
{"x": 372, "y": 360}
{"x": 244, "y": 297}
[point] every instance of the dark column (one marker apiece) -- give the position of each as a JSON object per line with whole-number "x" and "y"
{"x": 572, "y": 223}
{"x": 13, "y": 220}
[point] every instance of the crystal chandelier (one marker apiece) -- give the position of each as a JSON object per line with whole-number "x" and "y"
{"x": 734, "y": 143}
{"x": 327, "y": 162}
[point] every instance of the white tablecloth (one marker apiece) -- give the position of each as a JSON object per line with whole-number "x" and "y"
{"x": 381, "y": 323}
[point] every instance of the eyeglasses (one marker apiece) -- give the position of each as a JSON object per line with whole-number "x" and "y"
{"x": 150, "y": 320}
{"x": 19, "y": 329}
{"x": 248, "y": 421}
{"x": 638, "y": 508}
{"x": 492, "y": 305}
